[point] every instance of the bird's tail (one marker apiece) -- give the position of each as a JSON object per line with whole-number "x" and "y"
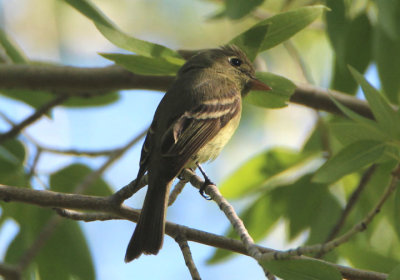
{"x": 149, "y": 232}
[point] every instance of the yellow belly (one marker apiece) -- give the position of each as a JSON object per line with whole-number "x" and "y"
{"x": 212, "y": 149}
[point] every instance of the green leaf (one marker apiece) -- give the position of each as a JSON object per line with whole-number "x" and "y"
{"x": 366, "y": 258}
{"x": 388, "y": 17}
{"x": 68, "y": 178}
{"x": 388, "y": 63}
{"x": 348, "y": 132}
{"x": 284, "y": 25}
{"x": 144, "y": 65}
{"x": 394, "y": 274}
{"x": 90, "y": 11}
{"x": 325, "y": 218}
{"x": 302, "y": 270}
{"x": 11, "y": 49}
{"x": 385, "y": 115}
{"x": 12, "y": 157}
{"x": 349, "y": 159}
{"x": 99, "y": 100}
{"x": 301, "y": 215}
{"x": 369, "y": 124}
{"x": 252, "y": 174}
{"x": 236, "y": 9}
{"x": 278, "y": 97}
{"x": 119, "y": 38}
{"x": 66, "y": 254}
{"x": 63, "y": 256}
{"x": 250, "y": 41}
{"x": 353, "y": 46}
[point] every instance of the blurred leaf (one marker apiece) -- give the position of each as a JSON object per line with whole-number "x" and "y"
{"x": 388, "y": 62}
{"x": 383, "y": 112}
{"x": 349, "y": 159}
{"x": 12, "y": 51}
{"x": 396, "y": 209}
{"x": 143, "y": 65}
{"x": 63, "y": 256}
{"x": 236, "y": 9}
{"x": 394, "y": 274}
{"x": 388, "y": 17}
{"x": 92, "y": 101}
{"x": 324, "y": 218}
{"x": 302, "y": 270}
{"x": 66, "y": 254}
{"x": 278, "y": 97}
{"x": 29, "y": 97}
{"x": 258, "y": 218}
{"x": 336, "y": 24}
{"x": 252, "y": 174}
{"x": 367, "y": 123}
{"x": 117, "y": 37}
{"x": 36, "y": 98}
{"x": 304, "y": 202}
{"x": 90, "y": 11}
{"x": 354, "y": 49}
{"x": 68, "y": 178}
{"x": 366, "y": 258}
{"x": 284, "y": 25}
{"x": 12, "y": 157}
{"x": 250, "y": 41}
{"x": 348, "y": 132}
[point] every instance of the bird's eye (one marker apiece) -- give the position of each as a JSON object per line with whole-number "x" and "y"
{"x": 235, "y": 62}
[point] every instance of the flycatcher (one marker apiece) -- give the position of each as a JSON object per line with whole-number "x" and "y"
{"x": 193, "y": 122}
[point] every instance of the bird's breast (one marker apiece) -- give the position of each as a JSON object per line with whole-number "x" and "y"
{"x": 212, "y": 149}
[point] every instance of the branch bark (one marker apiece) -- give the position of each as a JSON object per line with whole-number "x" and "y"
{"x": 108, "y": 205}
{"x": 93, "y": 81}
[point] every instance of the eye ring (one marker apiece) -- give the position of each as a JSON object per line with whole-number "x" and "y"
{"x": 234, "y": 61}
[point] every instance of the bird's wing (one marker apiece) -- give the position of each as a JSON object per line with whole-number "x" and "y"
{"x": 146, "y": 150}
{"x": 196, "y": 127}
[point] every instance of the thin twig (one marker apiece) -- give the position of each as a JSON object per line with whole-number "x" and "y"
{"x": 32, "y": 170}
{"x": 228, "y": 210}
{"x": 361, "y": 226}
{"x": 268, "y": 274}
{"x": 350, "y": 205}
{"x": 34, "y": 117}
{"x": 176, "y": 191}
{"x": 127, "y": 191}
{"x": 51, "y": 199}
{"x": 86, "y": 217}
{"x": 187, "y": 255}
{"x": 75, "y": 152}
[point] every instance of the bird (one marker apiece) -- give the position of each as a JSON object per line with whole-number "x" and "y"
{"x": 194, "y": 120}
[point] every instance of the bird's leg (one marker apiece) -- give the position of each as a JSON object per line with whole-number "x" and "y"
{"x": 207, "y": 182}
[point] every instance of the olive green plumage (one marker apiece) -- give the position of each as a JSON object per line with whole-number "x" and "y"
{"x": 193, "y": 122}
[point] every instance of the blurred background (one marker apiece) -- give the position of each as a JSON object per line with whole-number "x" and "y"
{"x": 54, "y": 32}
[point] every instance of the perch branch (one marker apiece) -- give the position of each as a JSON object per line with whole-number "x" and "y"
{"x": 106, "y": 205}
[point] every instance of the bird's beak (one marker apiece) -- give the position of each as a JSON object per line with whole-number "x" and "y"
{"x": 258, "y": 85}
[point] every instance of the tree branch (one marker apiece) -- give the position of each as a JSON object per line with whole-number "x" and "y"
{"x": 15, "y": 130}
{"x": 94, "y": 81}
{"x": 187, "y": 255}
{"x": 107, "y": 205}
